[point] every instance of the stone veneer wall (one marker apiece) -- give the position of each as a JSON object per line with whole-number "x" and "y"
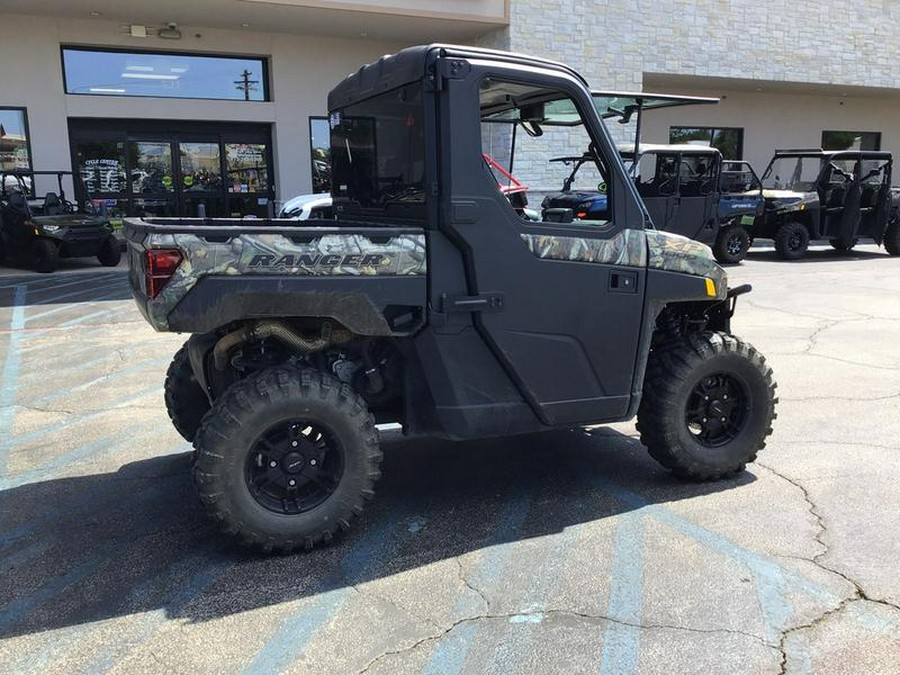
{"x": 614, "y": 43}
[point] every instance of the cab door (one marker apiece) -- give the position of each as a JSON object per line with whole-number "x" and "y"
{"x": 560, "y": 305}
{"x": 657, "y": 183}
{"x": 695, "y": 212}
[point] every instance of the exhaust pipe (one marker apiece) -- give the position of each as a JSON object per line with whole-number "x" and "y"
{"x": 281, "y": 332}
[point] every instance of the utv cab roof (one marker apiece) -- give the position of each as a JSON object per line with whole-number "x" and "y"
{"x": 410, "y": 65}
{"x": 831, "y": 154}
{"x": 628, "y": 148}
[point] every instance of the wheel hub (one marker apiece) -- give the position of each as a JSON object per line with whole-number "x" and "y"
{"x": 717, "y": 410}
{"x": 294, "y": 467}
{"x": 293, "y": 463}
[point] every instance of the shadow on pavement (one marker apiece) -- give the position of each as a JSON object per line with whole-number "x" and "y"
{"x": 84, "y": 549}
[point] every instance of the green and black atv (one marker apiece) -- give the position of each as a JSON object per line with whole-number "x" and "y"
{"x": 40, "y": 230}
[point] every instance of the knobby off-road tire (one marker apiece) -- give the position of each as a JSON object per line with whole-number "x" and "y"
{"x": 892, "y": 238}
{"x": 791, "y": 241}
{"x": 731, "y": 245}
{"x": 690, "y": 388}
{"x": 44, "y": 255}
{"x": 287, "y": 425}
{"x": 186, "y": 402}
{"x": 110, "y": 253}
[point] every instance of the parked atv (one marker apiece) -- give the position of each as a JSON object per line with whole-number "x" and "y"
{"x": 838, "y": 195}
{"x": 433, "y": 301}
{"x": 40, "y": 231}
{"x": 687, "y": 189}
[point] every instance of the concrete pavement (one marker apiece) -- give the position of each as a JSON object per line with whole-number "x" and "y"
{"x": 558, "y": 553}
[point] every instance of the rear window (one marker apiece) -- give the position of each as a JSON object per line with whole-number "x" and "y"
{"x": 378, "y": 156}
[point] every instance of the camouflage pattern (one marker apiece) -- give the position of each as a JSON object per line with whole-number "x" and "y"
{"x": 275, "y": 254}
{"x": 628, "y": 248}
{"x": 674, "y": 253}
{"x": 634, "y": 248}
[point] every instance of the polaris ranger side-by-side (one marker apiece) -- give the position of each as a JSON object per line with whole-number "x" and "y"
{"x": 838, "y": 195}
{"x": 433, "y": 302}
{"x": 39, "y": 228}
{"x": 687, "y": 189}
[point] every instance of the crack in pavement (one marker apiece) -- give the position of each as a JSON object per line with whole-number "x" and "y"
{"x": 593, "y": 618}
{"x": 858, "y": 595}
{"x": 465, "y": 580}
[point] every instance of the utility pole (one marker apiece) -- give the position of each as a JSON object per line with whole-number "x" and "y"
{"x": 245, "y": 84}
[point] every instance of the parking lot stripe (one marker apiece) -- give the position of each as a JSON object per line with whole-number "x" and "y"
{"x": 300, "y": 628}
{"x": 10, "y": 383}
{"x": 449, "y": 656}
{"x": 621, "y": 642}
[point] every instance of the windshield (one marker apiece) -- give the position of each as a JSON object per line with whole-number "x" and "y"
{"x": 794, "y": 173}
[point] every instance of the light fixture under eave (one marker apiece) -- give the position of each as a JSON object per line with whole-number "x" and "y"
{"x": 170, "y": 32}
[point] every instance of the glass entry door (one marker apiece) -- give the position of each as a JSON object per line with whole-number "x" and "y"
{"x": 146, "y": 168}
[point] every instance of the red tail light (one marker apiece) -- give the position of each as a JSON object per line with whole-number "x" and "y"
{"x": 161, "y": 265}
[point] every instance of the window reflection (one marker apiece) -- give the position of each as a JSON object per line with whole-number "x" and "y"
{"x": 14, "y": 152}
{"x": 247, "y": 167}
{"x": 114, "y": 73}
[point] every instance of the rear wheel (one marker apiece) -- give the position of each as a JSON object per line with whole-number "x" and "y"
{"x": 892, "y": 237}
{"x": 708, "y": 405}
{"x": 186, "y": 402}
{"x": 44, "y": 255}
{"x": 732, "y": 244}
{"x": 791, "y": 240}
{"x": 286, "y": 458}
{"x": 110, "y": 253}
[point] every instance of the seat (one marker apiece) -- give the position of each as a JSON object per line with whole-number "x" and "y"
{"x": 52, "y": 205}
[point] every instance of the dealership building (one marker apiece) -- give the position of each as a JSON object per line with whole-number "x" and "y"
{"x": 163, "y": 106}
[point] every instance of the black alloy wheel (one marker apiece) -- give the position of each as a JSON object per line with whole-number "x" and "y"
{"x": 716, "y": 410}
{"x": 294, "y": 467}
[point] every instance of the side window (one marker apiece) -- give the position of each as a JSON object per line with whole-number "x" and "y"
{"x": 538, "y": 154}
{"x": 695, "y": 175}
{"x": 657, "y": 175}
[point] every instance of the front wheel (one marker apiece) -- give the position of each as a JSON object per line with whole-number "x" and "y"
{"x": 110, "y": 253}
{"x": 732, "y": 244}
{"x": 791, "y": 241}
{"x": 286, "y": 458}
{"x": 44, "y": 255}
{"x": 708, "y": 405}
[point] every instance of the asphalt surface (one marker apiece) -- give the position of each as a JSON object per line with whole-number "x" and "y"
{"x": 569, "y": 552}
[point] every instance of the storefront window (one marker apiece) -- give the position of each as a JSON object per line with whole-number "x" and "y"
{"x": 101, "y": 165}
{"x": 151, "y": 167}
{"x": 201, "y": 169}
{"x": 14, "y": 147}
{"x": 728, "y": 140}
{"x": 247, "y": 166}
{"x": 320, "y": 153}
{"x": 118, "y": 73}
{"x": 851, "y": 140}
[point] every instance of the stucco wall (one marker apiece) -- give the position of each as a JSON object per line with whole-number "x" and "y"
{"x": 302, "y": 70}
